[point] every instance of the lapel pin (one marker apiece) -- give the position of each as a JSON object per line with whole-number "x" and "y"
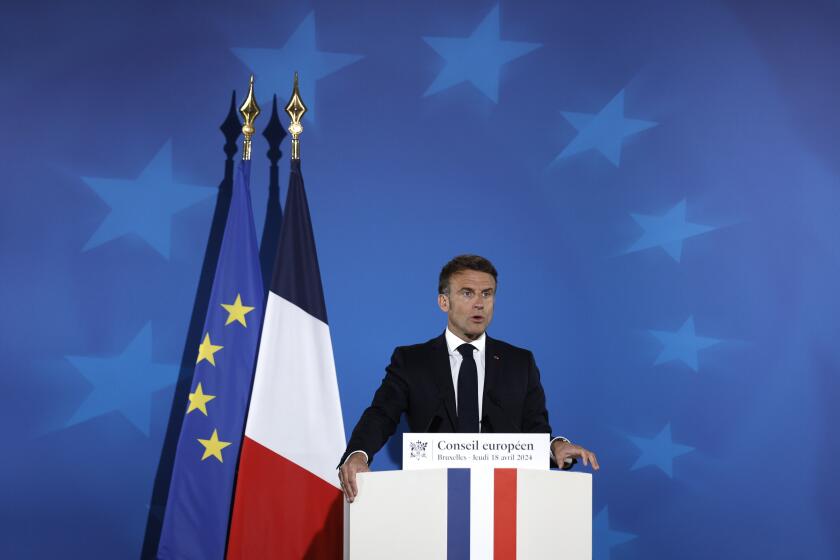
{"x": 495, "y": 357}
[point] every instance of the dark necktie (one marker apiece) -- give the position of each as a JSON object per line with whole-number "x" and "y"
{"x": 467, "y": 391}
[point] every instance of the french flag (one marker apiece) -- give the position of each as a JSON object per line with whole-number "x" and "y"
{"x": 287, "y": 502}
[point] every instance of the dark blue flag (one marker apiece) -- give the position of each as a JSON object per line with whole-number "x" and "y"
{"x": 195, "y": 524}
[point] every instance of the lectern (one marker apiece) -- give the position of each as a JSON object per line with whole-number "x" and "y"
{"x": 474, "y": 509}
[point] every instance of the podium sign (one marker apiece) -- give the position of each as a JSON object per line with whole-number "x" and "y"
{"x": 471, "y": 451}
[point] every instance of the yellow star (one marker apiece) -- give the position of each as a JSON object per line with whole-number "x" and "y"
{"x": 206, "y": 350}
{"x": 198, "y": 400}
{"x": 213, "y": 447}
{"x": 237, "y": 311}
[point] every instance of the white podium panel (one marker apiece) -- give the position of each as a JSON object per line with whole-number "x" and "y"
{"x": 554, "y": 513}
{"x": 399, "y": 514}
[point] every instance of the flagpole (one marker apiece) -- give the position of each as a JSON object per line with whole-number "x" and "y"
{"x": 250, "y": 110}
{"x": 295, "y": 109}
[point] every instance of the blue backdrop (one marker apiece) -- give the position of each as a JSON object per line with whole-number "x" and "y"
{"x": 657, "y": 183}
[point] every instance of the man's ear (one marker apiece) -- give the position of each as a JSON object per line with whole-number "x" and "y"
{"x": 443, "y": 302}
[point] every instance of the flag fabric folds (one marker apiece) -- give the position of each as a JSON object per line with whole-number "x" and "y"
{"x": 195, "y": 524}
{"x": 288, "y": 504}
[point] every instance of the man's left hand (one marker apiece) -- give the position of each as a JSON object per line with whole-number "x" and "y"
{"x": 563, "y": 450}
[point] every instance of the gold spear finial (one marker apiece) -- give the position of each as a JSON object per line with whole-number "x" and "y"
{"x": 249, "y": 111}
{"x": 295, "y": 109}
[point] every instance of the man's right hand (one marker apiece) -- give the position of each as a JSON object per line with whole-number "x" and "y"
{"x": 354, "y": 464}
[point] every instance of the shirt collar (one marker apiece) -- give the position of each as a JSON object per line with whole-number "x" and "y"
{"x": 453, "y": 342}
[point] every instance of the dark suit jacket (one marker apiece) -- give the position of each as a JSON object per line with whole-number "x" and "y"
{"x": 418, "y": 382}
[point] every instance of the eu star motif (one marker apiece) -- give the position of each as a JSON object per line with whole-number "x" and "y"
{"x": 682, "y": 345}
{"x": 213, "y": 446}
{"x": 236, "y": 311}
{"x": 659, "y": 451}
{"x": 144, "y": 206}
{"x": 478, "y": 58}
{"x": 667, "y": 231}
{"x": 604, "y": 131}
{"x": 275, "y": 67}
{"x": 207, "y": 351}
{"x": 199, "y": 400}
{"x": 124, "y": 383}
{"x": 604, "y": 538}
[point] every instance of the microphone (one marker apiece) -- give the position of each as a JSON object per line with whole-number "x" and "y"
{"x": 507, "y": 425}
{"x": 486, "y": 425}
{"x": 435, "y": 420}
{"x": 492, "y": 398}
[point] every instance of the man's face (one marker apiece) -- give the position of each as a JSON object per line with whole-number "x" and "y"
{"x": 469, "y": 303}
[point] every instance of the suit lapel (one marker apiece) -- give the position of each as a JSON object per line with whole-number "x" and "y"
{"x": 442, "y": 372}
{"x": 492, "y": 369}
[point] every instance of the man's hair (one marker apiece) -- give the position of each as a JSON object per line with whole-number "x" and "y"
{"x": 464, "y": 262}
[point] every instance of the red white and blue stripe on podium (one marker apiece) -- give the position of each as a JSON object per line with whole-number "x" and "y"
{"x": 474, "y": 515}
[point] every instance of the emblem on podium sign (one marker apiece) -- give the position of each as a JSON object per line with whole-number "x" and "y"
{"x": 418, "y": 449}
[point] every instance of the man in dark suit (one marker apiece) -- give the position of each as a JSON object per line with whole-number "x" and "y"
{"x": 461, "y": 381}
